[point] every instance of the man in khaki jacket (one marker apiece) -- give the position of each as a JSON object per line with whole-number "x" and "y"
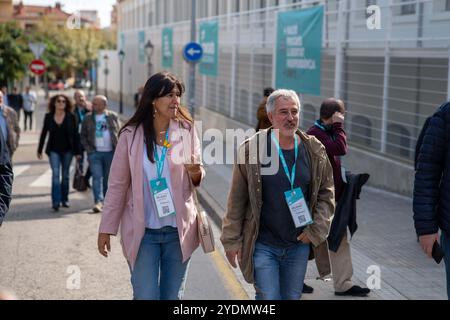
{"x": 280, "y": 203}
{"x": 10, "y": 125}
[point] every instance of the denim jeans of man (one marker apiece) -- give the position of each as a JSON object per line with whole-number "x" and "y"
{"x": 60, "y": 165}
{"x": 100, "y": 164}
{"x": 159, "y": 272}
{"x": 279, "y": 272}
{"x": 445, "y": 244}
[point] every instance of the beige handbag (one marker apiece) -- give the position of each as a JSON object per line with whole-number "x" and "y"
{"x": 205, "y": 233}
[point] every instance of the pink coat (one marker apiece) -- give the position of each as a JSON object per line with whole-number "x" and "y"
{"x": 124, "y": 201}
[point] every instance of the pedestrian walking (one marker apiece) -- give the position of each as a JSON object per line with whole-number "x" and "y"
{"x": 82, "y": 107}
{"x": 272, "y": 218}
{"x": 261, "y": 114}
{"x": 99, "y": 135}
{"x": 431, "y": 198}
{"x": 329, "y": 130}
{"x": 63, "y": 143}
{"x": 29, "y": 105}
{"x": 150, "y": 192}
{"x": 4, "y": 90}
{"x": 6, "y": 177}
{"x": 16, "y": 102}
{"x": 9, "y": 125}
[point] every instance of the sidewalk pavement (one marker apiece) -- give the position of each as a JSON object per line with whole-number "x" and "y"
{"x": 385, "y": 240}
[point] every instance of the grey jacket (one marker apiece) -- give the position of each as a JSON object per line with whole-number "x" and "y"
{"x": 88, "y": 130}
{"x": 13, "y": 137}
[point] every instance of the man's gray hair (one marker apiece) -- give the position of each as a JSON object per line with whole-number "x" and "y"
{"x": 286, "y": 94}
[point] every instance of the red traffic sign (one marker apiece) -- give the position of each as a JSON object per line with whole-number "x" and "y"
{"x": 37, "y": 67}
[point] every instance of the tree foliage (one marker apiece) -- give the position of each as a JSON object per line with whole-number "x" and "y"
{"x": 67, "y": 50}
{"x": 14, "y": 52}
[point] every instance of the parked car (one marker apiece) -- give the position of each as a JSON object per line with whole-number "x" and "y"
{"x": 56, "y": 85}
{"x": 82, "y": 84}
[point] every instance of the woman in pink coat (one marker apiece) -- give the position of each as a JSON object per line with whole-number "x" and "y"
{"x": 155, "y": 168}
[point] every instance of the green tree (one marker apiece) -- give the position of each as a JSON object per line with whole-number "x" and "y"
{"x": 14, "y": 53}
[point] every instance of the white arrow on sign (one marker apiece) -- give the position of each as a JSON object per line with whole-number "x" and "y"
{"x": 192, "y": 51}
{"x": 37, "y": 48}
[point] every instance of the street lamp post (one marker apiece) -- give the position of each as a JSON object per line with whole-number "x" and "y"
{"x": 106, "y": 71}
{"x": 121, "y": 57}
{"x": 149, "y": 48}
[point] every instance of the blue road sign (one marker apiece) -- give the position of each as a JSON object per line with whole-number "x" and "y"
{"x": 193, "y": 52}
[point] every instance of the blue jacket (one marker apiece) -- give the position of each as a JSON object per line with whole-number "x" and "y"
{"x": 431, "y": 203}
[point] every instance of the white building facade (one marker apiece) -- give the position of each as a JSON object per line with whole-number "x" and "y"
{"x": 391, "y": 76}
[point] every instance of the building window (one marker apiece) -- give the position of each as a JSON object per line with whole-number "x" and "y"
{"x": 361, "y": 130}
{"x": 368, "y": 4}
{"x": 408, "y": 9}
{"x": 399, "y": 141}
{"x": 298, "y": 4}
{"x": 447, "y": 5}
{"x": 309, "y": 115}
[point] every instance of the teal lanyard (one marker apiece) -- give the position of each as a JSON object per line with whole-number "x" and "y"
{"x": 291, "y": 178}
{"x": 160, "y": 162}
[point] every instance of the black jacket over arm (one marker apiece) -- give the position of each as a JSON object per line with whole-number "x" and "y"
{"x": 431, "y": 202}
{"x": 74, "y": 137}
{"x": 345, "y": 214}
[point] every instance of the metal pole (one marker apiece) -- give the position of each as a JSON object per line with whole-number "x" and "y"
{"x": 386, "y": 82}
{"x": 121, "y": 84}
{"x": 106, "y": 78}
{"x": 339, "y": 50}
{"x": 191, "y": 98}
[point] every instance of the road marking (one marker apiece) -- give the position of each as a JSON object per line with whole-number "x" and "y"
{"x": 229, "y": 279}
{"x": 45, "y": 180}
{"x": 19, "y": 169}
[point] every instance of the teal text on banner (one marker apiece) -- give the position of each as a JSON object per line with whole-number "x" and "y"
{"x": 167, "y": 48}
{"x": 141, "y": 39}
{"x": 299, "y": 50}
{"x": 209, "y": 39}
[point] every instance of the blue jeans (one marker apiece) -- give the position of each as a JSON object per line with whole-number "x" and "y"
{"x": 60, "y": 162}
{"x": 100, "y": 164}
{"x": 445, "y": 244}
{"x": 159, "y": 272}
{"x": 279, "y": 273}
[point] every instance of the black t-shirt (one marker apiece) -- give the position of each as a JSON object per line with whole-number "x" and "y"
{"x": 277, "y": 227}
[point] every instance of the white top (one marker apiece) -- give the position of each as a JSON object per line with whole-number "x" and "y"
{"x": 152, "y": 221}
{"x": 103, "y": 141}
{"x": 29, "y": 101}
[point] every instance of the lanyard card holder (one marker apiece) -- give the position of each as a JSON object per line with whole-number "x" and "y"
{"x": 163, "y": 198}
{"x": 298, "y": 208}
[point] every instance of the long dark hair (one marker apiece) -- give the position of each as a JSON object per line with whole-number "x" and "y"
{"x": 159, "y": 85}
{"x": 52, "y": 103}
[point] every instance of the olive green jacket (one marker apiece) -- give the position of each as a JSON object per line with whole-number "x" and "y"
{"x": 240, "y": 225}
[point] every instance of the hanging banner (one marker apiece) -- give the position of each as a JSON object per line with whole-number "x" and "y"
{"x": 299, "y": 50}
{"x": 141, "y": 46}
{"x": 167, "y": 48}
{"x": 209, "y": 40}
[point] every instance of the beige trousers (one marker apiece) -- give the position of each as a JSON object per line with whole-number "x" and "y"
{"x": 341, "y": 266}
